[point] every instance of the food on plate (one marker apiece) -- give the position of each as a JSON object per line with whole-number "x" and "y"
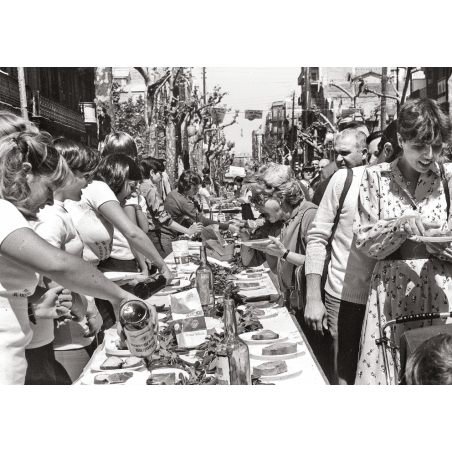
{"x": 438, "y": 233}
{"x": 247, "y": 285}
{"x": 260, "y": 304}
{"x": 120, "y": 345}
{"x": 270, "y": 368}
{"x": 111, "y": 379}
{"x": 253, "y": 270}
{"x": 132, "y": 361}
{"x": 174, "y": 282}
{"x": 162, "y": 379}
{"x": 284, "y": 348}
{"x": 111, "y": 363}
{"x": 257, "y": 312}
{"x": 264, "y": 335}
{"x": 254, "y": 275}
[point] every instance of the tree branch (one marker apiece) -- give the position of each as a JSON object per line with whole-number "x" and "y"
{"x": 342, "y": 89}
{"x": 388, "y": 96}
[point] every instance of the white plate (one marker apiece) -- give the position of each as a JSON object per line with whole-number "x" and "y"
{"x": 248, "y": 279}
{"x": 168, "y": 290}
{"x": 438, "y": 239}
{"x": 294, "y": 369}
{"x": 140, "y": 377}
{"x": 255, "y": 242}
{"x": 241, "y": 287}
{"x": 118, "y": 276}
{"x": 269, "y": 312}
{"x": 260, "y": 269}
{"x": 256, "y": 353}
{"x": 189, "y": 268}
{"x": 96, "y": 367}
{"x": 111, "y": 350}
{"x": 246, "y": 337}
{"x": 88, "y": 378}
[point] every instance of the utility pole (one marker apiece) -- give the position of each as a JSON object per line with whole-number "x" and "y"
{"x": 204, "y": 84}
{"x": 306, "y": 121}
{"x": 22, "y": 92}
{"x": 292, "y": 130}
{"x": 384, "y": 80}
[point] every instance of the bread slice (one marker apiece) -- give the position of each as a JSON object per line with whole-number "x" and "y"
{"x": 111, "y": 379}
{"x": 111, "y": 363}
{"x": 162, "y": 379}
{"x": 132, "y": 361}
{"x": 284, "y": 348}
{"x": 270, "y": 368}
{"x": 264, "y": 335}
{"x": 101, "y": 379}
{"x": 257, "y": 312}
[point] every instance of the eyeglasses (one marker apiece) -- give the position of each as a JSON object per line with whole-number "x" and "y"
{"x": 259, "y": 200}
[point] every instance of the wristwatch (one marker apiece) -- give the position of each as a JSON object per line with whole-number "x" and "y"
{"x": 284, "y": 256}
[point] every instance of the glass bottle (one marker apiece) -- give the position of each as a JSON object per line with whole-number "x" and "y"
{"x": 233, "y": 357}
{"x": 149, "y": 287}
{"x": 136, "y": 321}
{"x": 204, "y": 279}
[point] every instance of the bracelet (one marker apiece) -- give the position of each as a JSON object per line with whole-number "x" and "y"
{"x": 31, "y": 316}
{"x": 284, "y": 256}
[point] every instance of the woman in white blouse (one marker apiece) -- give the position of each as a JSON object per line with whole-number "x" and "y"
{"x": 398, "y": 201}
{"x": 30, "y": 170}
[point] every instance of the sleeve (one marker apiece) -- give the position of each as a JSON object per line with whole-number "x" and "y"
{"x": 98, "y": 193}
{"x": 156, "y": 208}
{"x": 375, "y": 236}
{"x": 189, "y": 209}
{"x": 323, "y": 223}
{"x": 52, "y": 230}
{"x": 11, "y": 221}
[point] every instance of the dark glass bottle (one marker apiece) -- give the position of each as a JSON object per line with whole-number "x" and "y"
{"x": 233, "y": 357}
{"x": 136, "y": 321}
{"x": 149, "y": 287}
{"x": 204, "y": 280}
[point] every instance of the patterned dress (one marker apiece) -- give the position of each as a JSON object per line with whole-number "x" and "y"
{"x": 398, "y": 287}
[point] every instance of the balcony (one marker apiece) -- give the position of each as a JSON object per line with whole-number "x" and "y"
{"x": 51, "y": 110}
{"x": 442, "y": 88}
{"x": 9, "y": 93}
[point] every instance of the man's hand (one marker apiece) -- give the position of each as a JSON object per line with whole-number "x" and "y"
{"x": 195, "y": 228}
{"x": 315, "y": 315}
{"x": 56, "y": 302}
{"x": 233, "y": 229}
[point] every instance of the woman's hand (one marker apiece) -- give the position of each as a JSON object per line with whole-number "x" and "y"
{"x": 415, "y": 225}
{"x": 276, "y": 248}
{"x": 443, "y": 250}
{"x": 53, "y": 304}
{"x": 93, "y": 318}
{"x": 165, "y": 271}
{"x": 233, "y": 229}
{"x": 79, "y": 307}
{"x": 195, "y": 228}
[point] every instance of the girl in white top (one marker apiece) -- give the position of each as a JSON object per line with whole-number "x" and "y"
{"x": 30, "y": 169}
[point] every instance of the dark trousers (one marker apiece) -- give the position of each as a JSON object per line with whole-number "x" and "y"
{"x": 345, "y": 321}
{"x": 162, "y": 243}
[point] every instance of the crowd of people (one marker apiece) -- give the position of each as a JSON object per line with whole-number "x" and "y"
{"x": 341, "y": 233}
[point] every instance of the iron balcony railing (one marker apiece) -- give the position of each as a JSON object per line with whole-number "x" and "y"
{"x": 9, "y": 92}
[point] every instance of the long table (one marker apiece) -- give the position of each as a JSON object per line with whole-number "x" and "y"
{"x": 311, "y": 372}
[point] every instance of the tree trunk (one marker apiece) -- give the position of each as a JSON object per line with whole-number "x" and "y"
{"x": 22, "y": 92}
{"x": 171, "y": 157}
{"x": 384, "y": 80}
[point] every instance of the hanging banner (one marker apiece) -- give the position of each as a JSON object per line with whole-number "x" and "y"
{"x": 253, "y": 114}
{"x": 218, "y": 115}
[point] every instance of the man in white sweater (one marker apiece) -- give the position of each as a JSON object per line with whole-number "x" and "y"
{"x": 349, "y": 271}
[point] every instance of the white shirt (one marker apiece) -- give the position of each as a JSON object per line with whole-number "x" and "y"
{"x": 95, "y": 231}
{"x": 17, "y": 283}
{"x": 55, "y": 226}
{"x": 204, "y": 194}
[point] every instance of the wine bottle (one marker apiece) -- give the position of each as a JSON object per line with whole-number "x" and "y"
{"x": 149, "y": 287}
{"x": 204, "y": 280}
{"x": 136, "y": 321}
{"x": 233, "y": 357}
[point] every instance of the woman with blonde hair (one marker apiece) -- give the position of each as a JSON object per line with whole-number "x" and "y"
{"x": 30, "y": 170}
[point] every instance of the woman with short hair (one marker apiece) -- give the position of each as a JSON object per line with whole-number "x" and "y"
{"x": 278, "y": 196}
{"x": 399, "y": 201}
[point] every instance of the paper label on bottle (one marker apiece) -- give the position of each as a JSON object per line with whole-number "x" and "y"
{"x": 222, "y": 373}
{"x": 141, "y": 343}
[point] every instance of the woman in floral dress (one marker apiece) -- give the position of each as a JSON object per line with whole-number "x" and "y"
{"x": 398, "y": 200}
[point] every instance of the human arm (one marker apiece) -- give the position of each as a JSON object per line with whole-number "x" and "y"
{"x": 134, "y": 211}
{"x": 26, "y": 248}
{"x": 250, "y": 257}
{"x": 112, "y": 211}
{"x": 315, "y": 314}
{"x": 132, "y": 214}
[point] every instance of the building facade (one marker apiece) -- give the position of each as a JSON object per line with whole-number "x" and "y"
{"x": 59, "y": 100}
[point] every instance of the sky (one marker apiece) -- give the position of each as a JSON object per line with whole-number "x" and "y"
{"x": 249, "y": 88}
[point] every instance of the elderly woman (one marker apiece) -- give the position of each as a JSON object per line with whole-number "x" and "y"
{"x": 398, "y": 202}
{"x": 278, "y": 196}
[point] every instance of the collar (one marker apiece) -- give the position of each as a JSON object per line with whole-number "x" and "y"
{"x": 393, "y": 167}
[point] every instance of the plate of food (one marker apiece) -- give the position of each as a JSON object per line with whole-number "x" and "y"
{"x": 251, "y": 270}
{"x": 160, "y": 376}
{"x": 168, "y": 290}
{"x": 276, "y": 370}
{"x": 249, "y": 285}
{"x": 118, "y": 363}
{"x": 251, "y": 243}
{"x": 434, "y": 236}
{"x": 108, "y": 378}
{"x": 114, "y": 348}
{"x": 265, "y": 313}
{"x": 262, "y": 337}
{"x": 277, "y": 352}
{"x": 250, "y": 276}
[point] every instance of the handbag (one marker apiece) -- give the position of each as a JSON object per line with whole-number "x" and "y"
{"x": 298, "y": 296}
